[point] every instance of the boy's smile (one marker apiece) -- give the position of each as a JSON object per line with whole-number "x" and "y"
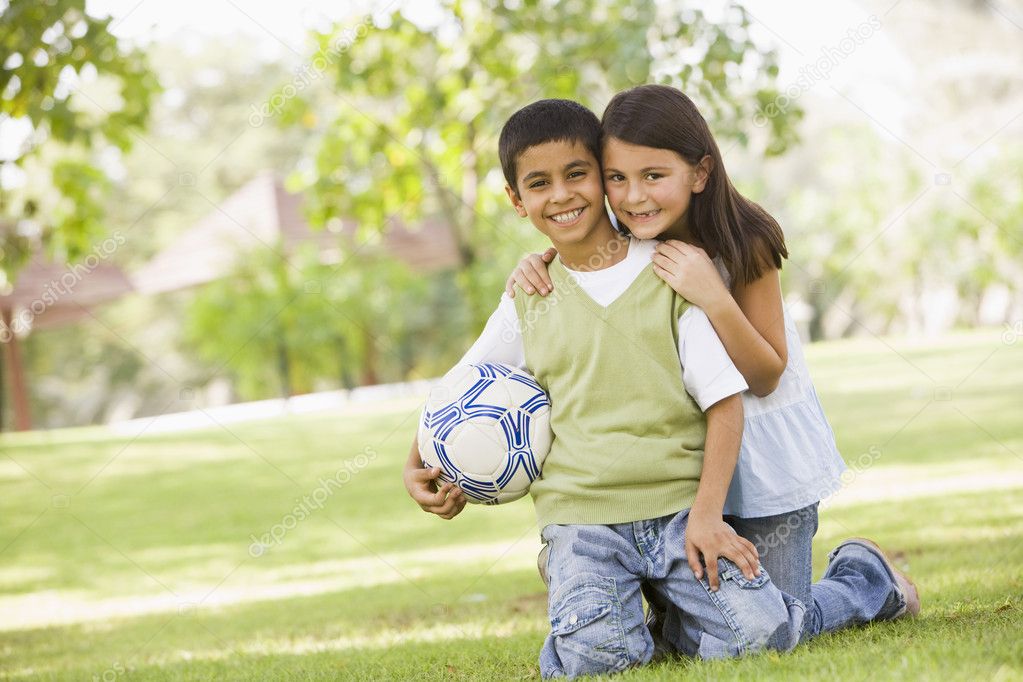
{"x": 559, "y": 188}
{"x": 569, "y": 217}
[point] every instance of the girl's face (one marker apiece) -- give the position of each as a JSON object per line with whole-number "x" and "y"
{"x": 649, "y": 189}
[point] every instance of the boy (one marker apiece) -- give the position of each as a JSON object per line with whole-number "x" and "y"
{"x": 637, "y": 475}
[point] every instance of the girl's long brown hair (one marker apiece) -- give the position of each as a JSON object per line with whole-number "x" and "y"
{"x": 746, "y": 237}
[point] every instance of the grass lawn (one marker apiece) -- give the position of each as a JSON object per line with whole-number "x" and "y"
{"x": 135, "y": 558}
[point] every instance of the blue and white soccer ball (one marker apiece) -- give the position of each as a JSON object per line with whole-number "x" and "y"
{"x": 488, "y": 428}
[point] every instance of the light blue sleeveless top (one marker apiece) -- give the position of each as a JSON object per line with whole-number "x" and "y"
{"x": 788, "y": 458}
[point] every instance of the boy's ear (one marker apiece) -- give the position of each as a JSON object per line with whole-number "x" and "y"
{"x": 703, "y": 171}
{"x": 516, "y": 200}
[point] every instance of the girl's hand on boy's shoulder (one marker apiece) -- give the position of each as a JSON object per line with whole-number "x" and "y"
{"x": 531, "y": 274}
{"x": 690, "y": 272}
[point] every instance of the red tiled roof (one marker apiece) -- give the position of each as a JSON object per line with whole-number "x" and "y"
{"x": 263, "y": 213}
{"x": 58, "y": 293}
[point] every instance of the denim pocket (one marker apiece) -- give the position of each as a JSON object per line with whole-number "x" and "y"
{"x": 586, "y": 622}
{"x": 729, "y": 571}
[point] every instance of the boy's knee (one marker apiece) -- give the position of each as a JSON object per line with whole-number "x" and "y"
{"x": 761, "y": 616}
{"x": 589, "y": 633}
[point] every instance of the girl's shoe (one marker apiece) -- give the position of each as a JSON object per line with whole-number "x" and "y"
{"x": 903, "y": 583}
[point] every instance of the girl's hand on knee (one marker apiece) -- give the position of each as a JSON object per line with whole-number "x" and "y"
{"x": 710, "y": 538}
{"x": 531, "y": 274}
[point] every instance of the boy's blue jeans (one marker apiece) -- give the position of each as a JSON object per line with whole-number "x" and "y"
{"x": 856, "y": 587}
{"x": 596, "y": 607}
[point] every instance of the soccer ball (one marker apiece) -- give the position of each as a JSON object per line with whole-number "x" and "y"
{"x": 488, "y": 428}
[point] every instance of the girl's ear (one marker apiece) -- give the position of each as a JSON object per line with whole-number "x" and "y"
{"x": 516, "y": 201}
{"x": 703, "y": 171}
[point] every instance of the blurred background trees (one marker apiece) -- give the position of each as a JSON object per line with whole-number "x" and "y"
{"x": 412, "y": 128}
{"x": 73, "y": 98}
{"x": 390, "y": 121}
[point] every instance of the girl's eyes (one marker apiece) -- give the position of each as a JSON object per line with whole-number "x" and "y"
{"x": 618, "y": 177}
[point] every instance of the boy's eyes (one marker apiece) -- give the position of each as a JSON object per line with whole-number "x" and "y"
{"x": 539, "y": 183}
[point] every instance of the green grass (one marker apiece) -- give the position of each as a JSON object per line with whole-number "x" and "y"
{"x": 124, "y": 558}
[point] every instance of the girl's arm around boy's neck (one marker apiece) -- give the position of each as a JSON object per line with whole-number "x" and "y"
{"x": 751, "y": 325}
{"x": 749, "y": 320}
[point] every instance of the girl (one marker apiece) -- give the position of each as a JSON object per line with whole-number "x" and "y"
{"x": 664, "y": 178}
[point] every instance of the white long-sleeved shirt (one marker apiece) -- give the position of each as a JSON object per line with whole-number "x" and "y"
{"x": 707, "y": 372}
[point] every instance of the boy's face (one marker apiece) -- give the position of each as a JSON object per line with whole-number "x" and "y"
{"x": 560, "y": 189}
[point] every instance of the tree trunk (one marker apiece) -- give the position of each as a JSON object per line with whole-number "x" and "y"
{"x": 344, "y": 374}
{"x": 369, "y": 367}
{"x": 284, "y": 368}
{"x": 3, "y": 394}
{"x": 459, "y": 212}
{"x": 16, "y": 372}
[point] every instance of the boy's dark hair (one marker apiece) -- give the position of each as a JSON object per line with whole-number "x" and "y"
{"x": 548, "y": 120}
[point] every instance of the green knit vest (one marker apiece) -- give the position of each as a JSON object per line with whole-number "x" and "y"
{"x": 628, "y": 438}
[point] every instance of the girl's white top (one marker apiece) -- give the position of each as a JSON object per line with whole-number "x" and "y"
{"x": 788, "y": 458}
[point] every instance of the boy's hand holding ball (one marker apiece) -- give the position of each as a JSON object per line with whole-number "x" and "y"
{"x": 445, "y": 500}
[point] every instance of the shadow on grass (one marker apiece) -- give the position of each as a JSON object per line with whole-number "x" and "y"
{"x": 461, "y": 626}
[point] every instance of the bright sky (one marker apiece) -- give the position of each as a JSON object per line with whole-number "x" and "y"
{"x": 802, "y": 31}
{"x": 868, "y": 70}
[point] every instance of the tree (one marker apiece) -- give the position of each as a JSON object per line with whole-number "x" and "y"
{"x": 295, "y": 321}
{"x": 198, "y": 129}
{"x": 419, "y": 102}
{"x": 51, "y": 52}
{"x": 52, "y": 190}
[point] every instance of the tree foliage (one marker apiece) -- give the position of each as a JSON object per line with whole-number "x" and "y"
{"x": 420, "y": 101}
{"x": 70, "y": 90}
{"x": 288, "y": 324}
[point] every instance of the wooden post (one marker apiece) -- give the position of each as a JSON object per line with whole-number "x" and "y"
{"x": 15, "y": 372}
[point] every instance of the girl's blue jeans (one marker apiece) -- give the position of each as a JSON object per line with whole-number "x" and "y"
{"x": 856, "y": 587}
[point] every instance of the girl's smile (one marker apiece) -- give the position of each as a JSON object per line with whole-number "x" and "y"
{"x": 650, "y": 189}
